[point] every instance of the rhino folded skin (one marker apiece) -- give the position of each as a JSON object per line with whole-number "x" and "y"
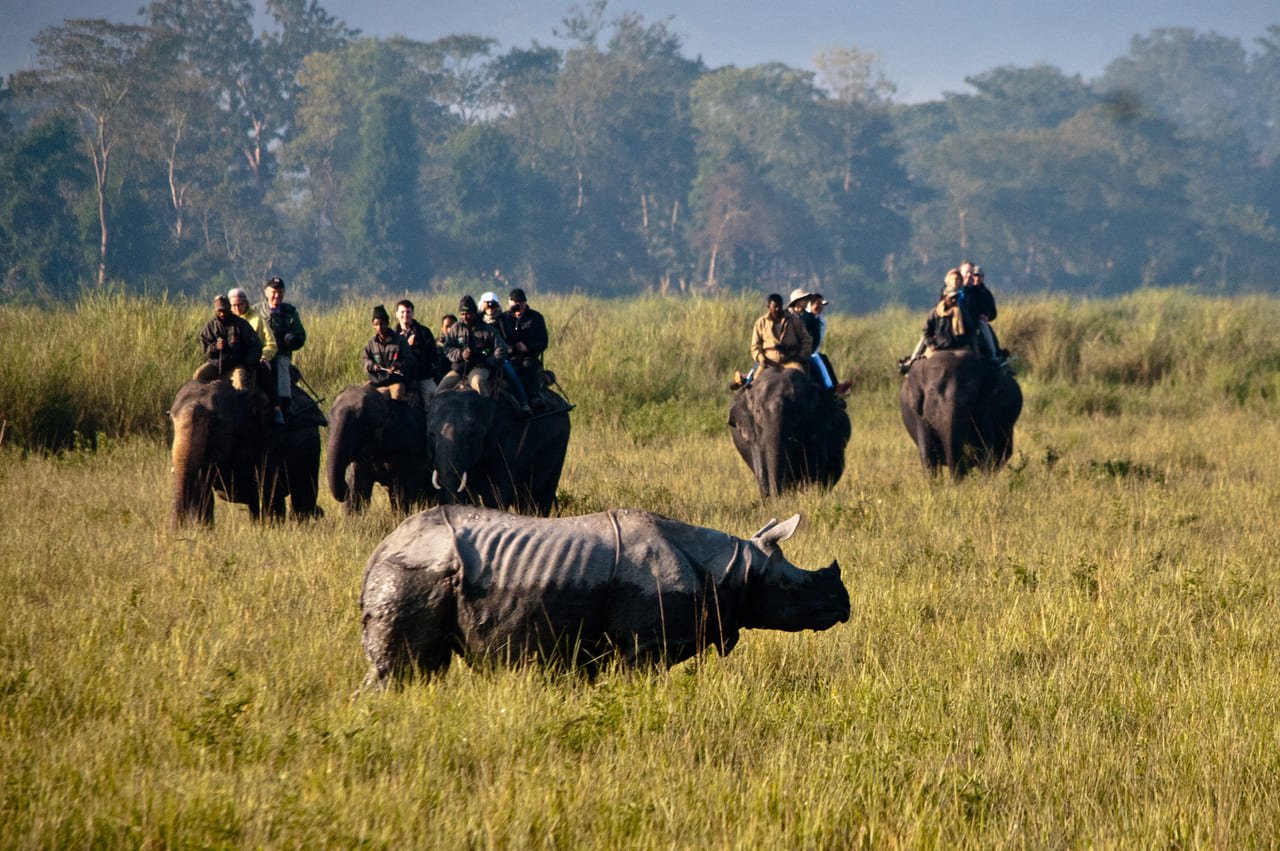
{"x": 621, "y": 585}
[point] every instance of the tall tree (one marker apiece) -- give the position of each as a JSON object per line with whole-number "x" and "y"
{"x": 89, "y": 69}
{"x": 41, "y": 249}
{"x": 385, "y": 234}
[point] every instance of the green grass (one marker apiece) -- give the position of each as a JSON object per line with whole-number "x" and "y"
{"x": 1080, "y": 651}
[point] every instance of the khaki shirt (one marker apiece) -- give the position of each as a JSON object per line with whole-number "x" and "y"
{"x": 780, "y": 342}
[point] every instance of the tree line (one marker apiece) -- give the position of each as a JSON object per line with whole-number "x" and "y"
{"x": 188, "y": 154}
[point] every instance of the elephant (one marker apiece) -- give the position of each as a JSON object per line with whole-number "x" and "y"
{"x": 224, "y": 442}
{"x": 790, "y": 430}
{"x": 960, "y": 409}
{"x": 374, "y": 438}
{"x": 485, "y": 451}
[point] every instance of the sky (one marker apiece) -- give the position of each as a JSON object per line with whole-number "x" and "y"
{"x": 925, "y": 47}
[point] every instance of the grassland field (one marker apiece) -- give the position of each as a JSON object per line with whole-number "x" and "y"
{"x": 1079, "y": 651}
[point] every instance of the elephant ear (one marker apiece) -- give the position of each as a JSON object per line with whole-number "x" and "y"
{"x": 775, "y": 533}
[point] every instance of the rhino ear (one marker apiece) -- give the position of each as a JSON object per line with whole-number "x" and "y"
{"x": 773, "y": 521}
{"x": 775, "y": 532}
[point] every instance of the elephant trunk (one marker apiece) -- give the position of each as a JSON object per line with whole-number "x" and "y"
{"x": 771, "y": 465}
{"x": 343, "y": 444}
{"x": 191, "y": 496}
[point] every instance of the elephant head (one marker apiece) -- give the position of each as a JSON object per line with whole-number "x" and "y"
{"x": 484, "y": 451}
{"x": 960, "y": 409}
{"x": 790, "y": 431}
{"x": 210, "y": 450}
{"x": 461, "y": 424}
{"x": 373, "y": 438}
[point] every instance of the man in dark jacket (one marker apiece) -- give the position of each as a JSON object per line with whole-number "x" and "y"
{"x": 423, "y": 345}
{"x": 527, "y": 334}
{"x": 469, "y": 348}
{"x": 980, "y": 304}
{"x": 285, "y": 323}
{"x": 387, "y": 358}
{"x": 231, "y": 347}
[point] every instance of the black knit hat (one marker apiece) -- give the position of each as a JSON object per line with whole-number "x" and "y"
{"x": 221, "y": 302}
{"x": 467, "y": 303}
{"x": 517, "y": 295}
{"x": 380, "y": 312}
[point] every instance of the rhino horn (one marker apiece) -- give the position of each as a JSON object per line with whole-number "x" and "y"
{"x": 775, "y": 532}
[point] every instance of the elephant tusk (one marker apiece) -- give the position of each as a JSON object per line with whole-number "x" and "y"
{"x": 435, "y": 479}
{"x": 462, "y": 485}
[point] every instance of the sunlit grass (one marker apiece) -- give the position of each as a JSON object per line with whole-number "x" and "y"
{"x": 1078, "y": 651}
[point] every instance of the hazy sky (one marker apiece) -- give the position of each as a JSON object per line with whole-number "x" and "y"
{"x": 926, "y": 46}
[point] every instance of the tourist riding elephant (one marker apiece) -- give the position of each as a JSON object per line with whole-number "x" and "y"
{"x": 960, "y": 410}
{"x": 374, "y": 438}
{"x": 790, "y": 430}
{"x": 224, "y": 442}
{"x": 485, "y": 451}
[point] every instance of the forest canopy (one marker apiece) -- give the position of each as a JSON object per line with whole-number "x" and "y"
{"x": 188, "y": 154}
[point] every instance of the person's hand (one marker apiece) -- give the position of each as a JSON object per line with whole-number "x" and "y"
{"x": 220, "y": 344}
{"x": 521, "y": 347}
{"x": 288, "y": 340}
{"x": 412, "y": 337}
{"x": 466, "y": 354}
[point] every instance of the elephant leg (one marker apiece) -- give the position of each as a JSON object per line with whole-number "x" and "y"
{"x": 359, "y": 488}
{"x": 273, "y": 493}
{"x": 302, "y": 467}
{"x": 930, "y": 448}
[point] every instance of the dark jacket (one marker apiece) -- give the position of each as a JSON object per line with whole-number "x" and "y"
{"x": 286, "y": 325}
{"x": 424, "y": 351}
{"x": 477, "y": 338}
{"x": 530, "y": 329}
{"x": 813, "y": 325}
{"x": 978, "y": 301}
{"x": 241, "y": 345}
{"x": 390, "y": 361}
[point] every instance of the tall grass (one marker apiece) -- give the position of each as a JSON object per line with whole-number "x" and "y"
{"x": 1079, "y": 651}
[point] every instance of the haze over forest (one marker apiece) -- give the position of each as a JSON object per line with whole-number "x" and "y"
{"x": 207, "y": 147}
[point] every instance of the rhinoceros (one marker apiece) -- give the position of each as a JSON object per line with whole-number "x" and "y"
{"x": 622, "y": 585}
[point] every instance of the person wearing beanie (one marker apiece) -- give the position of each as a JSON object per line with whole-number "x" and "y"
{"x": 388, "y": 360}
{"x": 231, "y": 348}
{"x": 527, "y": 334}
{"x": 469, "y": 349}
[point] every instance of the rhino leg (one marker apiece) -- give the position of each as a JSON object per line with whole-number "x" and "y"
{"x": 407, "y": 629}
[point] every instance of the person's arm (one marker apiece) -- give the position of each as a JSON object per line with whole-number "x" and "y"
{"x": 408, "y": 365}
{"x": 371, "y": 362}
{"x": 805, "y": 341}
{"x": 295, "y": 336}
{"x": 209, "y": 341}
{"x": 453, "y": 350}
{"x": 537, "y": 337}
{"x": 252, "y": 345}
{"x": 269, "y": 347}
